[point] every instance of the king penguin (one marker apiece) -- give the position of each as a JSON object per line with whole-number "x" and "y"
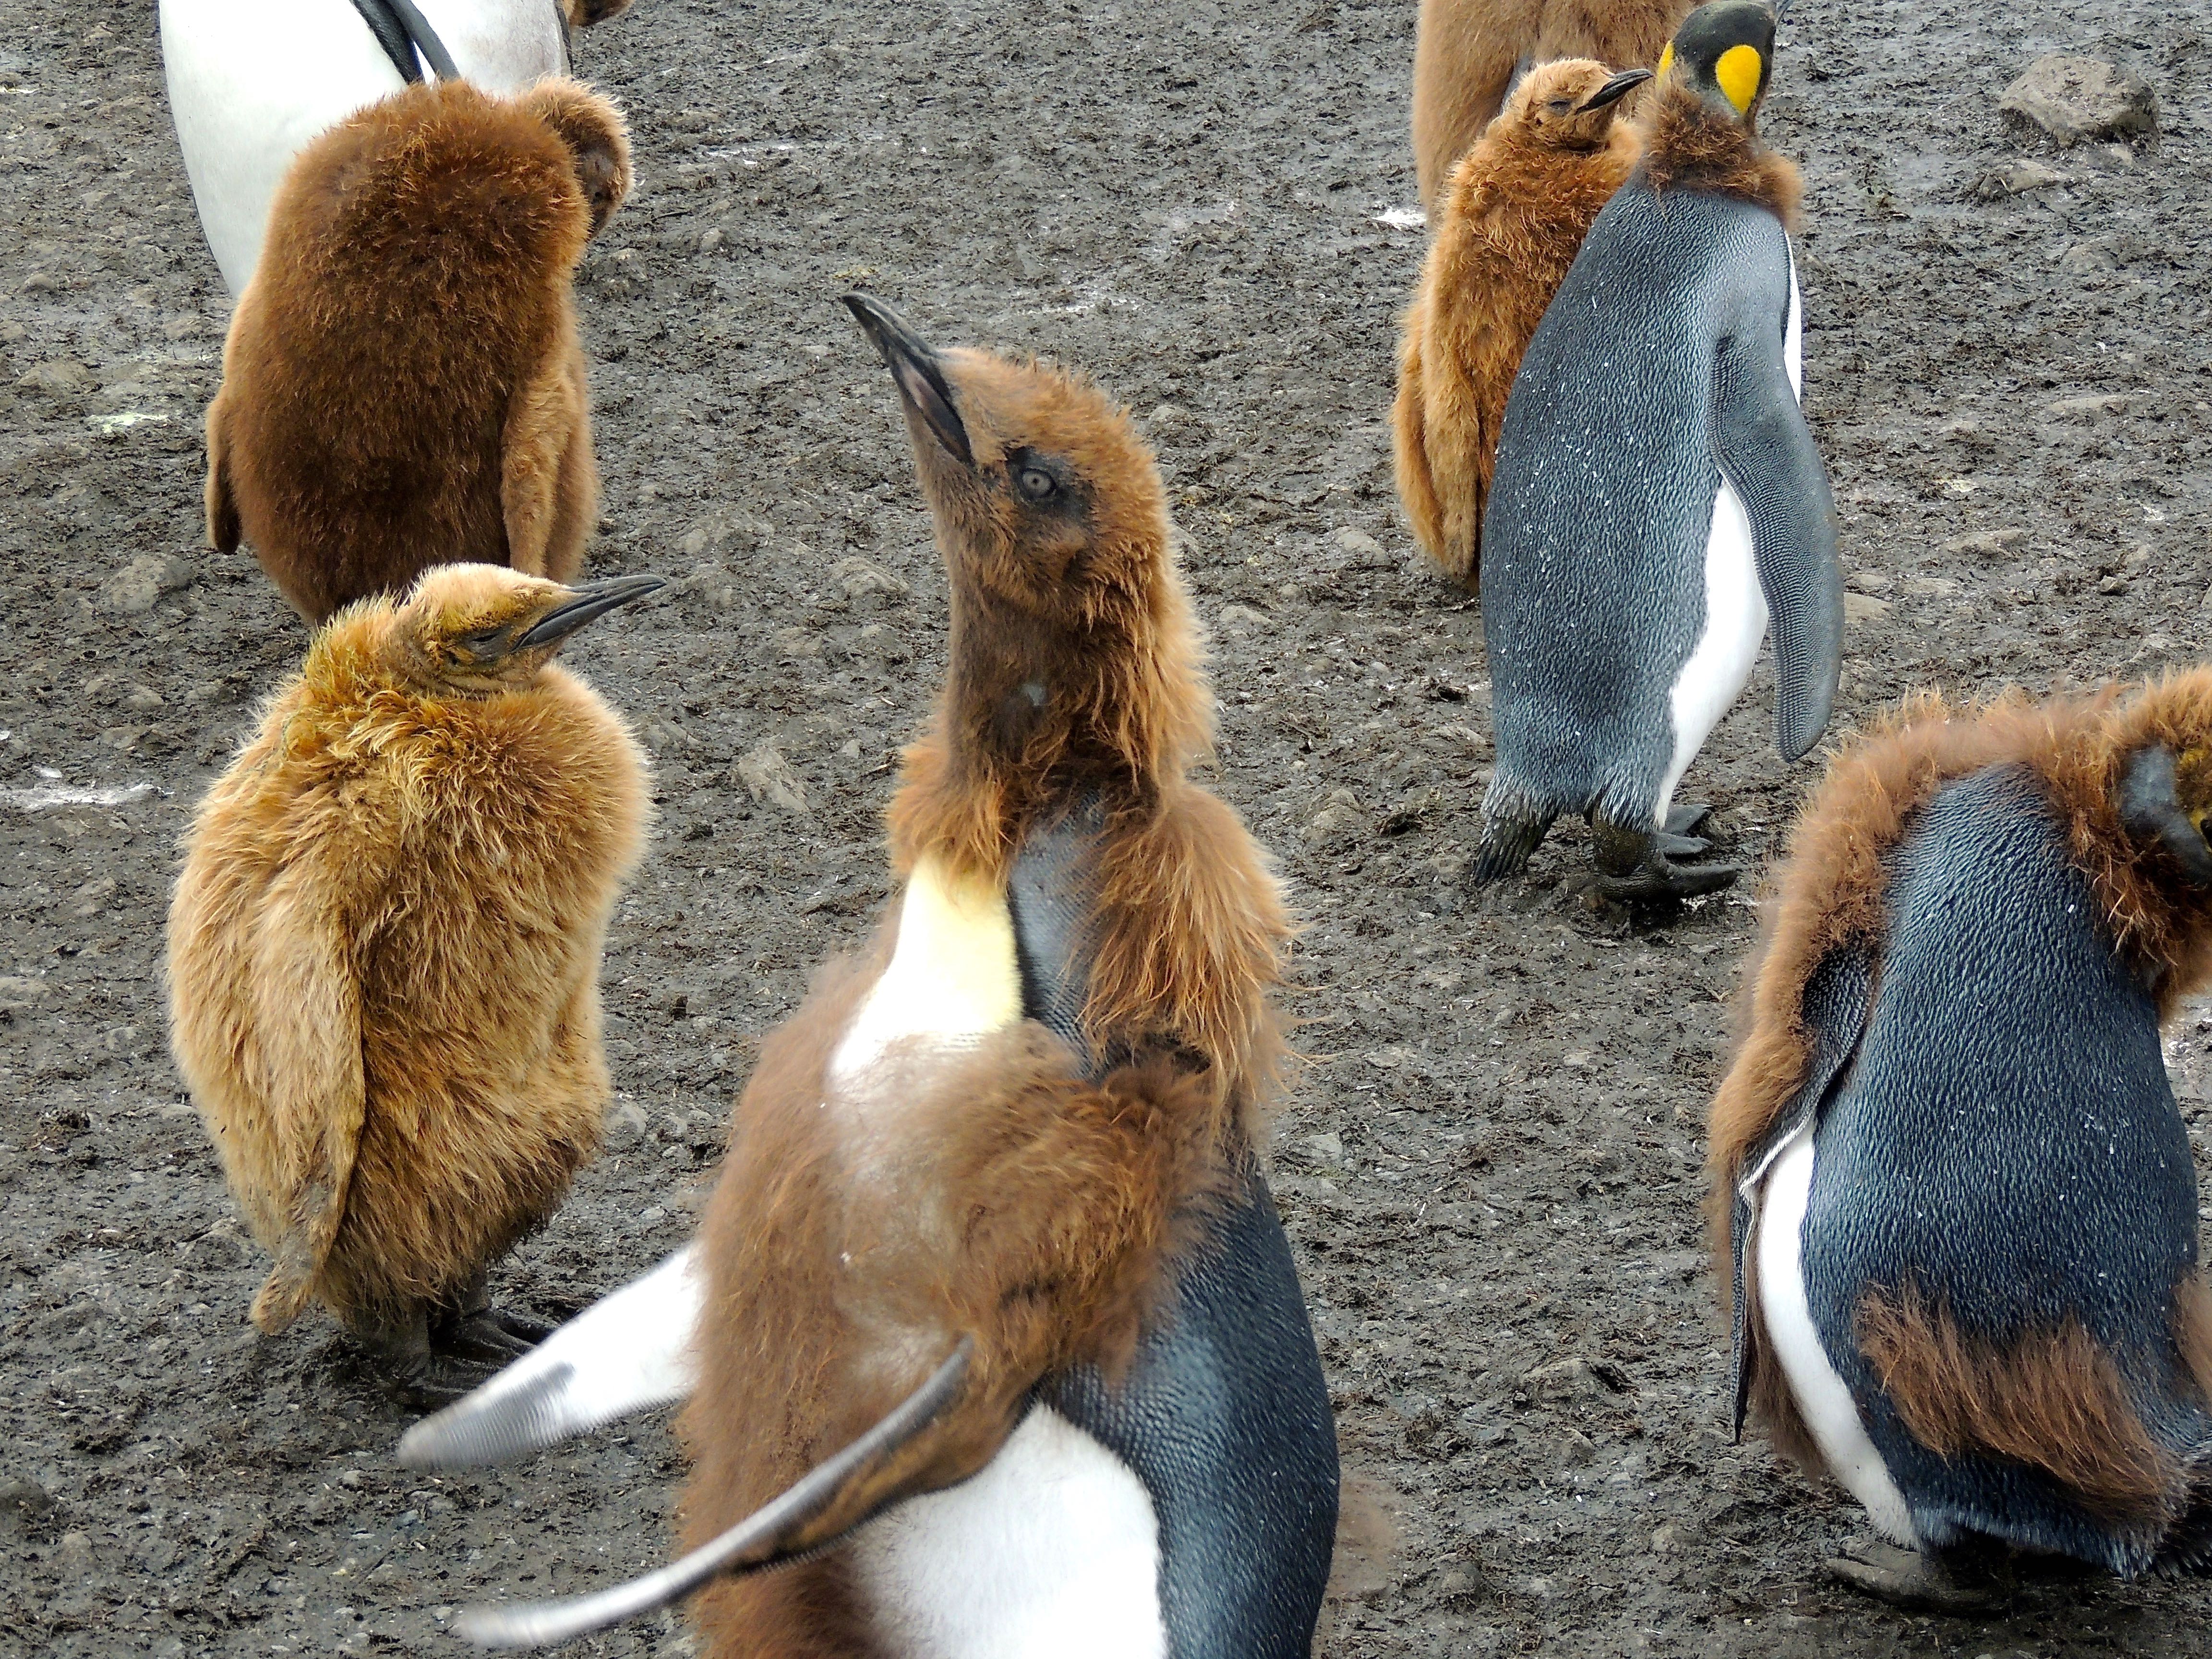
{"x": 992, "y": 1335}
{"x": 252, "y": 82}
{"x": 1657, "y": 491}
{"x": 1954, "y": 1194}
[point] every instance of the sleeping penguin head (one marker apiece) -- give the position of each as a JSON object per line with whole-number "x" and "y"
{"x": 1724, "y": 52}
{"x": 1569, "y": 104}
{"x": 1071, "y": 631}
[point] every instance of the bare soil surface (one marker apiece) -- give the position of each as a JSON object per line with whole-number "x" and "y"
{"x": 1490, "y": 1166}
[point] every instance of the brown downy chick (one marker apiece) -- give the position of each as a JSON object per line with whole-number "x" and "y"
{"x": 1953, "y": 1189}
{"x": 384, "y": 956}
{"x": 1467, "y": 51}
{"x": 1520, "y": 203}
{"x": 404, "y": 385}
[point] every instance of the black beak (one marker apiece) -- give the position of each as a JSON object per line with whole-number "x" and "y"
{"x": 2152, "y": 813}
{"x": 914, "y": 368}
{"x": 591, "y": 601}
{"x": 1617, "y": 88}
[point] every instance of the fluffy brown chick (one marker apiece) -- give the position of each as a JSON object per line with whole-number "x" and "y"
{"x": 403, "y": 384}
{"x": 1466, "y": 52}
{"x": 1520, "y": 203}
{"x": 383, "y": 954}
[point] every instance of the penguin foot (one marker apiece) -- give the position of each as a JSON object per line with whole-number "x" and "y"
{"x": 1672, "y": 845}
{"x": 1506, "y": 845}
{"x": 1909, "y": 1579}
{"x": 1634, "y": 866}
{"x": 1683, "y": 819}
{"x": 487, "y": 1336}
{"x": 431, "y": 1382}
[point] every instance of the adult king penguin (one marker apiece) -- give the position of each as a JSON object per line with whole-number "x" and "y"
{"x": 991, "y": 1267}
{"x": 1955, "y": 1195}
{"x": 1658, "y": 489}
{"x": 250, "y": 81}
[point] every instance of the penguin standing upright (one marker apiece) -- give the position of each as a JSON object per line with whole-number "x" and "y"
{"x": 252, "y": 82}
{"x": 1956, "y": 1196}
{"x": 383, "y": 959}
{"x": 1521, "y": 201}
{"x": 1658, "y": 489}
{"x": 991, "y": 1267}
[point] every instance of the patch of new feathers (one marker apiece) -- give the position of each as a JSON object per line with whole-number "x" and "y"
{"x": 1831, "y": 890}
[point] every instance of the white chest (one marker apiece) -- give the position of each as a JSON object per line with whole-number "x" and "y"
{"x": 1052, "y": 1552}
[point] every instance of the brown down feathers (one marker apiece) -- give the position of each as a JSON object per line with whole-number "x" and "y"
{"x": 1520, "y": 203}
{"x": 1465, "y": 52}
{"x": 1010, "y": 1197}
{"x": 384, "y": 955}
{"x": 1831, "y": 892}
{"x": 1692, "y": 144}
{"x": 403, "y": 384}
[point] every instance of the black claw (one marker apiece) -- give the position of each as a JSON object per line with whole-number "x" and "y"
{"x": 1634, "y": 865}
{"x": 1683, "y": 819}
{"x": 487, "y": 1336}
{"x": 432, "y": 1381}
{"x": 1673, "y": 846}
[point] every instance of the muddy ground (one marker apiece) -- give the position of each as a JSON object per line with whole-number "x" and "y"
{"x": 1490, "y": 1164}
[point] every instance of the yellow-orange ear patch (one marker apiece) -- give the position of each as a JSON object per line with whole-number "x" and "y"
{"x": 1666, "y": 60}
{"x": 1738, "y": 72}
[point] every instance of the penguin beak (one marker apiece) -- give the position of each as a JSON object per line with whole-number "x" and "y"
{"x": 587, "y": 602}
{"x": 914, "y": 368}
{"x": 2153, "y": 814}
{"x": 1615, "y": 89}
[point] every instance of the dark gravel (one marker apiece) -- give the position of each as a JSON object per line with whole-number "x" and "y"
{"x": 1491, "y": 1167}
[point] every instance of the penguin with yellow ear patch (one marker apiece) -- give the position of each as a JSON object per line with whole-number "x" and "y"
{"x": 383, "y": 959}
{"x": 1658, "y": 495}
{"x": 1957, "y": 1198}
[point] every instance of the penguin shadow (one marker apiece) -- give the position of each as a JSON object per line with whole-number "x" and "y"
{"x": 1366, "y": 1564}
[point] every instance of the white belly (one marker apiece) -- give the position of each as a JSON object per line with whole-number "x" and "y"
{"x": 1735, "y": 622}
{"x": 252, "y": 82}
{"x": 1052, "y": 1552}
{"x": 1823, "y": 1400}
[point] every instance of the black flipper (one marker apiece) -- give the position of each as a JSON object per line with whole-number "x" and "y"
{"x": 403, "y": 32}
{"x": 1838, "y": 997}
{"x": 1767, "y": 451}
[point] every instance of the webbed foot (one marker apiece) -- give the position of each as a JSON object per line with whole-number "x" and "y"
{"x": 1683, "y": 818}
{"x": 1635, "y": 866}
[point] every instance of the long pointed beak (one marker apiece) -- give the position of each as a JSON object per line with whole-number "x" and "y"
{"x": 1617, "y": 88}
{"x": 915, "y": 370}
{"x": 590, "y": 601}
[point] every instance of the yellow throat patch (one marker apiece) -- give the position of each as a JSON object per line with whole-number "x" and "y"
{"x": 1738, "y": 72}
{"x": 953, "y": 976}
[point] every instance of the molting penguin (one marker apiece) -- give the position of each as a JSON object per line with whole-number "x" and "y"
{"x": 383, "y": 959}
{"x": 992, "y": 1267}
{"x": 1658, "y": 489}
{"x": 252, "y": 82}
{"x": 1520, "y": 203}
{"x": 1953, "y": 1193}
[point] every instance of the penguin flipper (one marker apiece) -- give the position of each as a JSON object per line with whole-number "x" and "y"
{"x": 1765, "y": 449}
{"x": 626, "y": 1352}
{"x": 224, "y": 530}
{"x": 1837, "y": 1000}
{"x": 307, "y": 1019}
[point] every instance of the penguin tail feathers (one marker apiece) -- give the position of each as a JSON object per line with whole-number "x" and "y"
{"x": 282, "y": 1299}
{"x": 1507, "y": 843}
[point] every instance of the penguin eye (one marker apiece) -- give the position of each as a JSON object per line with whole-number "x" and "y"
{"x": 484, "y": 642}
{"x": 1560, "y": 106}
{"x": 1033, "y": 481}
